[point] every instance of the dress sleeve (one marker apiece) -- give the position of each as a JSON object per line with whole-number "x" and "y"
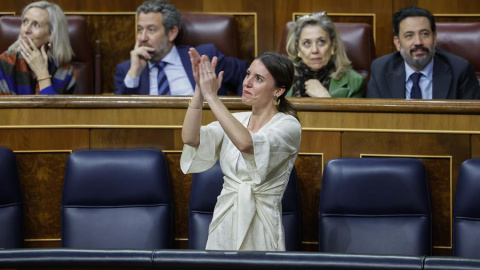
{"x": 273, "y": 148}
{"x": 195, "y": 160}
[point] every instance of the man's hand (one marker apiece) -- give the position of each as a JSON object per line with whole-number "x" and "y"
{"x": 139, "y": 57}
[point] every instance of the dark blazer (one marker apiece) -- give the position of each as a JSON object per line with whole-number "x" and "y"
{"x": 453, "y": 77}
{"x": 234, "y": 72}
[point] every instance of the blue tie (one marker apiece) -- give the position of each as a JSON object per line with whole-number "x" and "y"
{"x": 163, "y": 88}
{"x": 416, "y": 92}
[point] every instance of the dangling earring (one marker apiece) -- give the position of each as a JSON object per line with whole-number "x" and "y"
{"x": 298, "y": 54}
{"x": 333, "y": 52}
{"x": 275, "y": 101}
{"x": 49, "y": 44}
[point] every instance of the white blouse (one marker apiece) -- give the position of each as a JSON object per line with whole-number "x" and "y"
{"x": 248, "y": 213}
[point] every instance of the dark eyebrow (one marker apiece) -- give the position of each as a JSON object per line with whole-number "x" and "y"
{"x": 258, "y": 75}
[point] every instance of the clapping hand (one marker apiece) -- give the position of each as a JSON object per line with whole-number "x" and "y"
{"x": 204, "y": 73}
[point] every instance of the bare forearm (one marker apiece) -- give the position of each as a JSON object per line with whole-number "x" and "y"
{"x": 238, "y": 134}
{"x": 193, "y": 121}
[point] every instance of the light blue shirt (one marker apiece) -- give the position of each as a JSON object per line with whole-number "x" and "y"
{"x": 426, "y": 81}
{"x": 176, "y": 76}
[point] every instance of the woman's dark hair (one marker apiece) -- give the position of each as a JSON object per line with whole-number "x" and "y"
{"x": 283, "y": 72}
{"x": 412, "y": 11}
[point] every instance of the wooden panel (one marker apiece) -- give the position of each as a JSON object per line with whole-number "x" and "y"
{"x": 309, "y": 174}
{"x": 181, "y": 185}
{"x": 44, "y": 139}
{"x": 114, "y": 138}
{"x": 41, "y": 155}
{"x": 316, "y": 148}
{"x": 115, "y": 44}
{"x": 247, "y": 41}
{"x": 442, "y": 6}
{"x": 442, "y": 155}
{"x": 475, "y": 146}
{"x": 41, "y": 182}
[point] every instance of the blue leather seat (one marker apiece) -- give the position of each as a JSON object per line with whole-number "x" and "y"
{"x": 11, "y": 213}
{"x": 466, "y": 211}
{"x": 117, "y": 199}
{"x": 375, "y": 206}
{"x": 206, "y": 186}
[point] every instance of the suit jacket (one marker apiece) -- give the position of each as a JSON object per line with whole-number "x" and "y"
{"x": 234, "y": 72}
{"x": 349, "y": 86}
{"x": 453, "y": 77}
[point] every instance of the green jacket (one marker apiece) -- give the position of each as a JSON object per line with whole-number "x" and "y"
{"x": 349, "y": 86}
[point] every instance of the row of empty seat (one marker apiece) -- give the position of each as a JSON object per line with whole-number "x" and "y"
{"x": 123, "y": 199}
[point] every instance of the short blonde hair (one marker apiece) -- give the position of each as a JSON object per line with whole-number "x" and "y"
{"x": 61, "y": 51}
{"x": 340, "y": 59}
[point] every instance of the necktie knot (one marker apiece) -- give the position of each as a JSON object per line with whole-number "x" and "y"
{"x": 416, "y": 92}
{"x": 416, "y": 77}
{"x": 161, "y": 64}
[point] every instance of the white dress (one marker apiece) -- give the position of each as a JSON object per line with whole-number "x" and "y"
{"x": 248, "y": 213}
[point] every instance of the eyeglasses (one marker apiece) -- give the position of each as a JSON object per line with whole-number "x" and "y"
{"x": 313, "y": 15}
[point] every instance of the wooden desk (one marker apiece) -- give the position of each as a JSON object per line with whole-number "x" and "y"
{"x": 43, "y": 131}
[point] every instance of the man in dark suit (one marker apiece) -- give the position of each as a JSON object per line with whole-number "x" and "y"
{"x": 419, "y": 70}
{"x": 158, "y": 67}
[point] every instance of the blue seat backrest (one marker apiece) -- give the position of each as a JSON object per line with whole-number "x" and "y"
{"x": 466, "y": 211}
{"x": 375, "y": 206}
{"x": 11, "y": 213}
{"x": 117, "y": 199}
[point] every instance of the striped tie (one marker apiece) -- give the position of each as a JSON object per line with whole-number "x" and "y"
{"x": 163, "y": 88}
